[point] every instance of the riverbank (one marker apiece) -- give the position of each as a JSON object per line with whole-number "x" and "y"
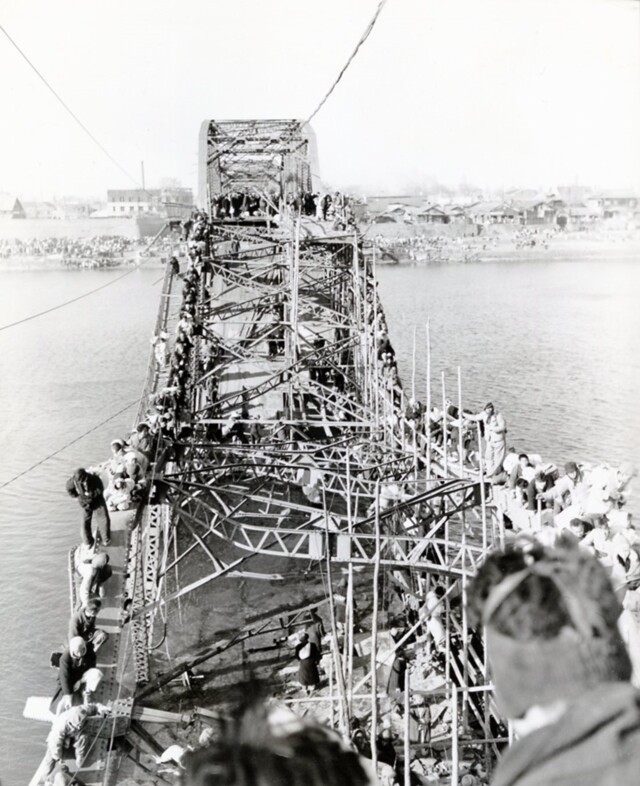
{"x": 38, "y": 263}
{"x": 413, "y": 245}
{"x": 569, "y": 247}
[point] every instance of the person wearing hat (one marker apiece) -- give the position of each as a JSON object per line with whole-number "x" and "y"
{"x": 315, "y": 629}
{"x": 119, "y": 493}
{"x": 559, "y": 666}
{"x": 568, "y": 491}
{"x": 536, "y": 492}
{"x": 160, "y": 348}
{"x": 87, "y": 488}
{"x": 575, "y": 530}
{"x": 83, "y": 624}
{"x": 142, "y": 439}
{"x": 78, "y": 657}
{"x": 116, "y": 462}
{"x": 69, "y": 731}
{"x": 175, "y": 266}
{"x": 95, "y": 574}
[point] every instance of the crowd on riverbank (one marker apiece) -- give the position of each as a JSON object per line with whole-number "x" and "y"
{"x": 98, "y": 251}
{"x": 442, "y": 248}
{"x": 126, "y": 484}
{"x": 69, "y": 247}
{"x": 414, "y": 246}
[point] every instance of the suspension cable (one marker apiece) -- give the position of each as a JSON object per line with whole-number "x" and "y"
{"x": 68, "y": 445}
{"x": 67, "y": 302}
{"x": 363, "y": 38}
{"x": 71, "y": 112}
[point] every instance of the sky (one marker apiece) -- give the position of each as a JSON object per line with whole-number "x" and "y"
{"x": 493, "y": 93}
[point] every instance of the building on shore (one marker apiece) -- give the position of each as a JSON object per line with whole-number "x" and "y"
{"x": 617, "y": 203}
{"x": 172, "y": 202}
{"x": 11, "y": 207}
{"x": 59, "y": 210}
{"x": 41, "y": 210}
{"x": 537, "y": 211}
{"x": 492, "y": 213}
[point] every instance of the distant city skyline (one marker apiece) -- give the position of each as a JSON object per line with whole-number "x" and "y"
{"x": 498, "y": 93}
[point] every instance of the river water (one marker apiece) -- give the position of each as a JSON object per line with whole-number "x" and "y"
{"x": 553, "y": 344}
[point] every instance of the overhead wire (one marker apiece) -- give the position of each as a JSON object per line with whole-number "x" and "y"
{"x": 69, "y": 444}
{"x": 91, "y": 291}
{"x": 67, "y": 302}
{"x": 363, "y": 38}
{"x": 69, "y": 110}
{"x": 361, "y": 41}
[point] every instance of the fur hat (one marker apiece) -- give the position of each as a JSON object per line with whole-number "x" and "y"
{"x": 586, "y": 651}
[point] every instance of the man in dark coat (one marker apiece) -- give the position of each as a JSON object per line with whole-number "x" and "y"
{"x": 308, "y": 656}
{"x": 76, "y": 659}
{"x": 83, "y": 624}
{"x": 88, "y": 489}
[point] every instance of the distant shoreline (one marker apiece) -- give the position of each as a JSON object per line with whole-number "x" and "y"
{"x": 559, "y": 250}
{"x": 500, "y": 244}
{"x": 42, "y": 264}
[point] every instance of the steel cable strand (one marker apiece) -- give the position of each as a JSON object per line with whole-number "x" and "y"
{"x": 72, "y": 113}
{"x": 363, "y": 38}
{"x": 68, "y": 302}
{"x": 68, "y": 445}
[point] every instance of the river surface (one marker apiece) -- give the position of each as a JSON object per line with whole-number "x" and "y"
{"x": 553, "y": 344}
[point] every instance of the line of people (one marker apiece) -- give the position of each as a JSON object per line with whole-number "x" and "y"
{"x": 118, "y": 484}
{"x": 336, "y": 207}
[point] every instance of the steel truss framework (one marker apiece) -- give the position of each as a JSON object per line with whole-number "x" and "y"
{"x": 265, "y": 157}
{"x": 300, "y": 449}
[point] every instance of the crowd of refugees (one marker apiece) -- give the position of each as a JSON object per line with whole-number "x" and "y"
{"x": 442, "y": 248}
{"x": 561, "y": 675}
{"x": 535, "y": 237}
{"x": 105, "y": 247}
{"x": 531, "y": 493}
{"x": 95, "y": 252}
{"x": 423, "y": 248}
{"x": 117, "y": 485}
{"x": 334, "y": 207}
{"x": 581, "y": 508}
{"x": 122, "y": 483}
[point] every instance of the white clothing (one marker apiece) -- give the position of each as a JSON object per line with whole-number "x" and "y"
{"x": 434, "y": 607}
{"x": 510, "y": 463}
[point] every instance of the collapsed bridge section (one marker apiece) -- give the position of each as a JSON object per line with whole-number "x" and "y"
{"x": 294, "y": 472}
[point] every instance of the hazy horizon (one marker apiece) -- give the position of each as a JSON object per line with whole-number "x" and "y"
{"x": 438, "y": 189}
{"x": 533, "y": 94}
